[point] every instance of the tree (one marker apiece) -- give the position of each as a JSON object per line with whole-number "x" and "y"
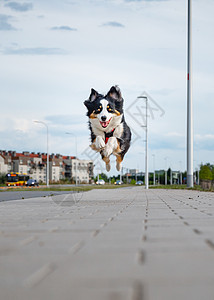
{"x": 205, "y": 172}
{"x": 104, "y": 177}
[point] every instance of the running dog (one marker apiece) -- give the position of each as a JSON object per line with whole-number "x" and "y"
{"x": 109, "y": 132}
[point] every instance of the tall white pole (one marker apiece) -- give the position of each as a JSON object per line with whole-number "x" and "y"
{"x": 47, "y": 166}
{"x": 198, "y": 176}
{"x": 146, "y": 146}
{"x": 189, "y": 100}
{"x": 146, "y": 154}
{"x": 47, "y": 157}
{"x": 166, "y": 172}
{"x": 180, "y": 180}
{"x": 153, "y": 168}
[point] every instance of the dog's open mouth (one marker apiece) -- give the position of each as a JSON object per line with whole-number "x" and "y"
{"x": 105, "y": 124}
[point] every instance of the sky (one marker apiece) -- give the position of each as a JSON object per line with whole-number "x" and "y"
{"x": 53, "y": 52}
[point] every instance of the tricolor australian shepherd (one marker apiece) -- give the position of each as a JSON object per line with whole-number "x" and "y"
{"x": 109, "y": 132}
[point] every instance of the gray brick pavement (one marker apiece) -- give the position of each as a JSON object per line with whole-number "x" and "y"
{"x": 124, "y": 244}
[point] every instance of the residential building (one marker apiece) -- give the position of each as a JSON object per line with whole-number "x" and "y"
{"x": 60, "y": 167}
{"x": 133, "y": 172}
{"x": 3, "y": 165}
{"x": 80, "y": 169}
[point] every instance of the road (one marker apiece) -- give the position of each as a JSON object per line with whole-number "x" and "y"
{"x": 17, "y": 195}
{"x": 123, "y": 244}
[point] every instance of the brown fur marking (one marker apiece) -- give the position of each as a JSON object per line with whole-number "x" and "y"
{"x": 119, "y": 159}
{"x": 117, "y": 112}
{"x": 92, "y": 116}
{"x": 106, "y": 160}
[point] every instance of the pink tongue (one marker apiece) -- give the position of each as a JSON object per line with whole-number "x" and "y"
{"x": 104, "y": 124}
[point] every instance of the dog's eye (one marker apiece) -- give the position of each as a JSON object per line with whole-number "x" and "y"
{"x": 97, "y": 111}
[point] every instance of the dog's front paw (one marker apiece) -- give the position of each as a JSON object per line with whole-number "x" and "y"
{"x": 99, "y": 142}
{"x": 107, "y": 151}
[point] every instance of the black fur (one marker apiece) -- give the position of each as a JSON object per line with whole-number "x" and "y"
{"x": 125, "y": 139}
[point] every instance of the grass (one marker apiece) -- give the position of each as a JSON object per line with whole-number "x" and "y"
{"x": 179, "y": 187}
{"x": 81, "y": 188}
{"x": 85, "y": 188}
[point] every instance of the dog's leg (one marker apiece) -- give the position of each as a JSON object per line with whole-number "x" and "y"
{"x": 119, "y": 159}
{"x": 98, "y": 143}
{"x": 111, "y": 146}
{"x": 107, "y": 161}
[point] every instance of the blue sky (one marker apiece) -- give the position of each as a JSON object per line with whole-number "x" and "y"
{"x": 53, "y": 52}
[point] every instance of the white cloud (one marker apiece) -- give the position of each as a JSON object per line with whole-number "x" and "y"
{"x": 33, "y": 51}
{"x": 148, "y": 53}
{"x": 63, "y": 28}
{"x": 113, "y": 24}
{"x": 21, "y": 7}
{"x": 5, "y": 23}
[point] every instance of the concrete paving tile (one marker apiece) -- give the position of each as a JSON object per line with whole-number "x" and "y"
{"x": 179, "y": 291}
{"x": 128, "y": 244}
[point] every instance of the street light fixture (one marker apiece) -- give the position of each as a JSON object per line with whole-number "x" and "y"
{"x": 47, "y": 167}
{"x": 76, "y": 153}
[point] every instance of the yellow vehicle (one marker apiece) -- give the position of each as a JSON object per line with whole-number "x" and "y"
{"x": 16, "y": 179}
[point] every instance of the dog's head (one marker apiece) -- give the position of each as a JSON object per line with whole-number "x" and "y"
{"x": 104, "y": 109}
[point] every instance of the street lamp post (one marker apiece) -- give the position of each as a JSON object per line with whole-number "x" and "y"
{"x": 198, "y": 176}
{"x": 154, "y": 168}
{"x": 180, "y": 172}
{"x": 47, "y": 167}
{"x": 189, "y": 100}
{"x": 127, "y": 175}
{"x": 170, "y": 176}
{"x": 76, "y": 153}
{"x": 146, "y": 146}
{"x": 166, "y": 171}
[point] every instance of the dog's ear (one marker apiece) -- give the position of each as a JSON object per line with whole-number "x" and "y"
{"x": 92, "y": 97}
{"x": 115, "y": 93}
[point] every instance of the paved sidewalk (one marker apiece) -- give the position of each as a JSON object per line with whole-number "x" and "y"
{"x": 123, "y": 244}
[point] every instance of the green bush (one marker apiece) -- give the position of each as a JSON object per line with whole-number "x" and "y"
{"x": 2, "y": 178}
{"x": 113, "y": 180}
{"x": 205, "y": 172}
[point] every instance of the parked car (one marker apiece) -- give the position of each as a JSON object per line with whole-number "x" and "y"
{"x": 32, "y": 182}
{"x": 118, "y": 182}
{"x": 100, "y": 181}
{"x": 139, "y": 182}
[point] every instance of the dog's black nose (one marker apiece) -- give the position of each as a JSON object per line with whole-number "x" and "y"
{"x": 103, "y": 118}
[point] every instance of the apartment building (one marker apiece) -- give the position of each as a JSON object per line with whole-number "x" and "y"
{"x": 35, "y": 164}
{"x": 82, "y": 170}
{"x": 3, "y": 165}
